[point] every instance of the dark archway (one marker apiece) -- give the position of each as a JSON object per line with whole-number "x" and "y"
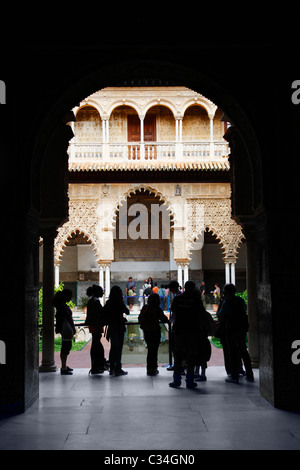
{"x": 249, "y": 137}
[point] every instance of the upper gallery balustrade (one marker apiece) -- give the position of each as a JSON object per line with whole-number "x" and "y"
{"x": 116, "y": 126}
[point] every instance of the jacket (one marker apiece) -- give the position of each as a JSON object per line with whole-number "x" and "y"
{"x": 94, "y": 317}
{"x": 150, "y": 317}
{"x": 63, "y": 312}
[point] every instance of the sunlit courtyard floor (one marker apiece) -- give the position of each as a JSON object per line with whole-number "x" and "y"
{"x": 136, "y": 411}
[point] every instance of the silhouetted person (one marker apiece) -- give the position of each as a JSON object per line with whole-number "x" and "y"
{"x": 65, "y": 326}
{"x": 129, "y": 292}
{"x": 95, "y": 322}
{"x": 174, "y": 289}
{"x": 114, "y": 311}
{"x": 188, "y": 333}
{"x": 234, "y": 322}
{"x": 150, "y": 317}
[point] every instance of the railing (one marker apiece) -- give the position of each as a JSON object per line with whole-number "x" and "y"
{"x": 141, "y": 300}
{"x": 135, "y": 348}
{"x": 134, "y": 151}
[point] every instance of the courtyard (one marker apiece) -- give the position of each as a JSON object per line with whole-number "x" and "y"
{"x": 138, "y": 412}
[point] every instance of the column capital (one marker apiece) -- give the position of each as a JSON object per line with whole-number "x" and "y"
{"x": 48, "y": 235}
{"x": 230, "y": 260}
{"x": 182, "y": 262}
{"x": 104, "y": 263}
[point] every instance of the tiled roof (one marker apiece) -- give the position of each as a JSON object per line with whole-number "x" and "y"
{"x": 149, "y": 166}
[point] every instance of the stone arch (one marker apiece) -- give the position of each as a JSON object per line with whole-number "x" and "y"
{"x": 214, "y": 215}
{"x": 135, "y": 189}
{"x": 161, "y": 102}
{"x": 205, "y": 103}
{"x": 62, "y": 240}
{"x": 243, "y": 136}
{"x": 89, "y": 102}
{"x": 197, "y": 81}
{"x": 82, "y": 217}
{"x": 126, "y": 102}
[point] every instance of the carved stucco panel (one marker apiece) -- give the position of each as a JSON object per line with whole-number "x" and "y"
{"x": 82, "y": 217}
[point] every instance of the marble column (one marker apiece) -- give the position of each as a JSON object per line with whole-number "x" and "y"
{"x": 179, "y": 274}
{"x": 185, "y": 272}
{"x": 56, "y": 275}
{"x": 107, "y": 280}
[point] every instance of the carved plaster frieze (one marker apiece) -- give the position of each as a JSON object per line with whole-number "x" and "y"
{"x": 94, "y": 210}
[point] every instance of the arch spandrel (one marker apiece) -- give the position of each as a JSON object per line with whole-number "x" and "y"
{"x": 82, "y": 218}
{"x": 215, "y": 216}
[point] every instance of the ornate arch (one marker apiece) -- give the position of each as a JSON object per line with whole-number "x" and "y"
{"x": 205, "y": 103}
{"x": 89, "y": 102}
{"x": 215, "y": 215}
{"x": 133, "y": 190}
{"x": 82, "y": 218}
{"x": 160, "y": 102}
{"x": 124, "y": 102}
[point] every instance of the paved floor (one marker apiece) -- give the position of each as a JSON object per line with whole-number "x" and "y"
{"x": 141, "y": 412}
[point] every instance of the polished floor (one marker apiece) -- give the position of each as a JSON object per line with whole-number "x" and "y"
{"x": 136, "y": 411}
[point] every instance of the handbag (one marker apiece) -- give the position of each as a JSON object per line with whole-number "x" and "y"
{"x": 67, "y": 330}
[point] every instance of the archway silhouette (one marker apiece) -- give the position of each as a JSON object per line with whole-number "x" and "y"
{"x": 243, "y": 161}
{"x": 248, "y": 197}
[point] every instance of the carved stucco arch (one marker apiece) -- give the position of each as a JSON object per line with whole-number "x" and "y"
{"x": 203, "y": 102}
{"x": 162, "y": 102}
{"x": 135, "y": 189}
{"x": 83, "y": 218}
{"x": 215, "y": 216}
{"x": 126, "y": 102}
{"x": 93, "y": 104}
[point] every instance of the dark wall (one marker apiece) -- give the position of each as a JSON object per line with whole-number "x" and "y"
{"x": 251, "y": 83}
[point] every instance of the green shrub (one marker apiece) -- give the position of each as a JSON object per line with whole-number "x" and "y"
{"x": 56, "y": 289}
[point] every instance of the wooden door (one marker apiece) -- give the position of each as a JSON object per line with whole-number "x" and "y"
{"x": 134, "y": 135}
{"x": 150, "y": 128}
{"x": 133, "y": 128}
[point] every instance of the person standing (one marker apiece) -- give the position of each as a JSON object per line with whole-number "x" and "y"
{"x": 65, "y": 326}
{"x": 174, "y": 289}
{"x": 203, "y": 292}
{"x": 149, "y": 318}
{"x": 95, "y": 321}
{"x": 188, "y": 334}
{"x": 114, "y": 311}
{"x": 234, "y": 322}
{"x": 130, "y": 291}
